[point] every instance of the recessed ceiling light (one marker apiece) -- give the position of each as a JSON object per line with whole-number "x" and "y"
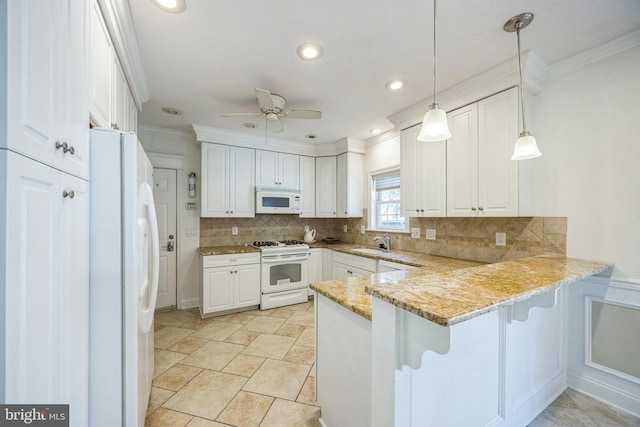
{"x": 173, "y": 6}
{"x": 310, "y": 51}
{"x": 249, "y": 125}
{"x": 375, "y": 131}
{"x": 310, "y": 136}
{"x": 395, "y": 84}
{"x": 172, "y": 111}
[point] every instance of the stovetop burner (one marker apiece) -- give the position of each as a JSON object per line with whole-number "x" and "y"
{"x": 268, "y": 243}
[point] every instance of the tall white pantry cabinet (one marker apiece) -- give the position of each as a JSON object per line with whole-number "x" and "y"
{"x": 44, "y": 204}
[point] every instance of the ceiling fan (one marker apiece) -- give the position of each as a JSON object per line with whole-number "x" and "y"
{"x": 272, "y": 107}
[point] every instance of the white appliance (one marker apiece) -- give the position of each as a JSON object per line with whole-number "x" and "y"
{"x": 278, "y": 200}
{"x": 124, "y": 254}
{"x": 284, "y": 273}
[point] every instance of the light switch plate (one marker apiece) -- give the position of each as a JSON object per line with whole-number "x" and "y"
{"x": 501, "y": 239}
{"x": 344, "y": 228}
{"x": 431, "y": 234}
{"x": 234, "y": 231}
{"x": 415, "y": 233}
{"x": 362, "y": 229}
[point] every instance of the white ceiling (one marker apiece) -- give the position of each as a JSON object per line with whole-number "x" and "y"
{"x": 207, "y": 60}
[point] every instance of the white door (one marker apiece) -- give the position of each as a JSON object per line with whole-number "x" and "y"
{"x": 164, "y": 195}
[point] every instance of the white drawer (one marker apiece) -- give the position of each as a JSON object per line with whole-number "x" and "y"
{"x": 362, "y": 263}
{"x": 213, "y": 261}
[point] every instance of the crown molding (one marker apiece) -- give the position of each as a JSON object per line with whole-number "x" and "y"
{"x": 117, "y": 16}
{"x": 614, "y": 47}
{"x": 378, "y": 139}
{"x": 496, "y": 79}
{"x": 168, "y": 132}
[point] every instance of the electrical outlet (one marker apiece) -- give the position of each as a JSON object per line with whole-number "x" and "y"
{"x": 415, "y": 233}
{"x": 234, "y": 231}
{"x": 362, "y": 229}
{"x": 431, "y": 234}
{"x": 344, "y": 228}
{"x": 501, "y": 239}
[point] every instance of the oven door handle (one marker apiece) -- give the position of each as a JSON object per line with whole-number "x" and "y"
{"x": 270, "y": 259}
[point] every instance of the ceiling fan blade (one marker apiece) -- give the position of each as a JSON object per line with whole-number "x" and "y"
{"x": 240, "y": 114}
{"x": 264, "y": 98}
{"x": 304, "y": 114}
{"x": 276, "y": 126}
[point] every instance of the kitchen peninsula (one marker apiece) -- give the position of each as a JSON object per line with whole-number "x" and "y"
{"x": 472, "y": 345}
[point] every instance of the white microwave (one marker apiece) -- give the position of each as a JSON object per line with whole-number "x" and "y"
{"x": 278, "y": 200}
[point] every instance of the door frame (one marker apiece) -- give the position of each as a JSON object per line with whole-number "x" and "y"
{"x": 175, "y": 161}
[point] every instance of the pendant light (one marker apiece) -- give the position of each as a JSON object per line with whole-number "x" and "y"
{"x": 526, "y": 146}
{"x": 434, "y": 125}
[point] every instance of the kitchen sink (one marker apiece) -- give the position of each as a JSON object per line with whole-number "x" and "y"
{"x": 371, "y": 251}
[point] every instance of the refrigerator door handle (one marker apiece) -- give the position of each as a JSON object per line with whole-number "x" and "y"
{"x": 146, "y": 195}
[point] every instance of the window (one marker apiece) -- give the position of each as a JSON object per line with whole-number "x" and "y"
{"x": 386, "y": 214}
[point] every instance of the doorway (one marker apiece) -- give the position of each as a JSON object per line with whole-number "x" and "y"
{"x": 165, "y": 197}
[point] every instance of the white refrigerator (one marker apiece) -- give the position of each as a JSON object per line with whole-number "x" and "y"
{"x": 123, "y": 265}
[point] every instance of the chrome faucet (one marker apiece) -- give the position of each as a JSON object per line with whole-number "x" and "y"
{"x": 386, "y": 242}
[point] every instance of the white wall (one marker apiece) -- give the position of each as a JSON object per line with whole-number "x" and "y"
{"x": 167, "y": 141}
{"x": 587, "y": 127}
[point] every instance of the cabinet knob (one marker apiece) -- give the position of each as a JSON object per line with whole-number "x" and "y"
{"x": 115, "y": 126}
{"x": 480, "y": 208}
{"x": 59, "y": 145}
{"x": 417, "y": 210}
{"x": 421, "y": 210}
{"x": 68, "y": 193}
{"x": 473, "y": 209}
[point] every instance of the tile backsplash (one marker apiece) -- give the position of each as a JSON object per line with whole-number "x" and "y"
{"x": 464, "y": 238}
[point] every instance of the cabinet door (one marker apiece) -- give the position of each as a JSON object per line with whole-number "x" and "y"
{"x": 242, "y": 193}
{"x": 410, "y": 172}
{"x": 133, "y": 115}
{"x": 350, "y": 183}
{"x": 341, "y": 186}
{"x": 247, "y": 285}
{"x": 462, "y": 162}
{"x": 340, "y": 271}
{"x": 308, "y": 186}
{"x": 267, "y": 169}
{"x": 315, "y": 266}
{"x": 74, "y": 295}
{"x": 289, "y": 166}
{"x": 214, "y": 196}
{"x": 326, "y": 187}
{"x": 100, "y": 60}
{"x": 31, "y": 304}
{"x": 433, "y": 178}
{"x": 497, "y": 173}
{"x": 119, "y": 87}
{"x": 217, "y": 289}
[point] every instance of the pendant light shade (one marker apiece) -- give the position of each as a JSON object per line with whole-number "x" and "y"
{"x": 434, "y": 125}
{"x": 526, "y": 146}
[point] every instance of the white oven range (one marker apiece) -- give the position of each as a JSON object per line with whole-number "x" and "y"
{"x": 284, "y": 273}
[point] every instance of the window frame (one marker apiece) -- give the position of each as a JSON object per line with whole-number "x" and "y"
{"x": 373, "y": 205}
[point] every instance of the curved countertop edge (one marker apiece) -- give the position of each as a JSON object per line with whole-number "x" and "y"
{"x": 227, "y": 250}
{"x": 455, "y": 296}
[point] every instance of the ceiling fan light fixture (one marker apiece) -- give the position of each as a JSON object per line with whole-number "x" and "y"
{"x": 271, "y": 116}
{"x": 310, "y": 51}
{"x": 434, "y": 125}
{"x": 526, "y": 146}
{"x": 173, "y": 6}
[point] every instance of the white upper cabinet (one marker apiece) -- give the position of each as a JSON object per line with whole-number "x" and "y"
{"x": 308, "y": 186}
{"x": 120, "y": 104}
{"x": 482, "y": 180}
{"x": 277, "y": 169}
{"x": 45, "y": 96}
{"x": 101, "y": 54}
{"x": 228, "y": 188}
{"x": 423, "y": 170}
{"x": 350, "y": 183}
{"x": 326, "y": 187}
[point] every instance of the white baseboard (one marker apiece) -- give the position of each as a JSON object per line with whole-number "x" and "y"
{"x": 190, "y": 303}
{"x": 605, "y": 392}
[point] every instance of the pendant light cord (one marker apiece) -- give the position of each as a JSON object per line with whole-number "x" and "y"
{"x": 524, "y": 122}
{"x": 435, "y": 53}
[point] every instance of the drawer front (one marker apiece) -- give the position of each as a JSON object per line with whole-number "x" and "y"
{"x": 362, "y": 263}
{"x": 212, "y": 261}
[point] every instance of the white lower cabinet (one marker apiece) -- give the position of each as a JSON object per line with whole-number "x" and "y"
{"x": 346, "y": 265}
{"x": 44, "y": 285}
{"x": 384, "y": 266}
{"x": 229, "y": 282}
{"x": 315, "y": 267}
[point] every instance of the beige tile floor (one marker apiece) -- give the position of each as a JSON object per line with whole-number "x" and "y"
{"x": 256, "y": 369}
{"x": 248, "y": 369}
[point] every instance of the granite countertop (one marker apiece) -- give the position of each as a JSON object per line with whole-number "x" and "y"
{"x": 227, "y": 250}
{"x": 455, "y": 296}
{"x": 351, "y": 293}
